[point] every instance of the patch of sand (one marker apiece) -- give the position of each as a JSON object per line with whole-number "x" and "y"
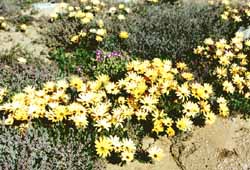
{"x": 30, "y": 40}
{"x": 224, "y": 145}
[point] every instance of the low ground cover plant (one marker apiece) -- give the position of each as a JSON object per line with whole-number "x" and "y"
{"x": 226, "y": 66}
{"x": 19, "y": 69}
{"x": 158, "y": 97}
{"x": 46, "y": 147}
{"x": 113, "y": 101}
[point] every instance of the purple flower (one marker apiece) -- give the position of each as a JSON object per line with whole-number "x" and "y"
{"x": 98, "y": 52}
{"x": 98, "y": 58}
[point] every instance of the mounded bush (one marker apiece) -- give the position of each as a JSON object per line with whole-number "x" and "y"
{"x": 18, "y": 69}
{"x": 41, "y": 147}
{"x": 171, "y": 30}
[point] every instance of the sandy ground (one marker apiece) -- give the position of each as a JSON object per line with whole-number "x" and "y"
{"x": 30, "y": 40}
{"x": 224, "y": 145}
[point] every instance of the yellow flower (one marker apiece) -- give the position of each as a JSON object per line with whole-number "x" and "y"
{"x": 85, "y": 20}
{"x": 121, "y": 17}
{"x": 223, "y": 109}
{"x": 79, "y": 14}
{"x": 187, "y": 76}
{"x": 101, "y": 32}
{"x": 205, "y": 107}
{"x": 96, "y": 9}
{"x": 80, "y": 121}
{"x": 82, "y": 34}
{"x": 62, "y": 85}
{"x": 23, "y": 27}
{"x": 75, "y": 39}
{"x": 190, "y": 109}
{"x": 53, "y": 16}
{"x": 149, "y": 101}
{"x": 184, "y": 124}
{"x": 127, "y": 156}
{"x": 21, "y": 114}
{"x": 170, "y": 131}
{"x": 103, "y": 124}
{"x": 72, "y": 14}
{"x": 209, "y": 41}
{"x": 98, "y": 38}
{"x": 156, "y": 153}
{"x": 224, "y": 16}
{"x": 210, "y": 118}
{"x": 2, "y": 18}
{"x": 183, "y": 92}
{"x": 76, "y": 82}
{"x": 225, "y": 2}
{"x": 237, "y": 18}
{"x": 228, "y": 87}
{"x": 199, "y": 50}
{"x": 158, "y": 126}
{"x": 100, "y": 23}
{"x": 221, "y": 72}
{"x": 88, "y": 7}
{"x": 116, "y": 143}
{"x": 247, "y": 43}
{"x": 121, "y": 6}
{"x": 141, "y": 114}
{"x": 112, "y": 9}
{"x": 70, "y": 8}
{"x": 4, "y": 25}
{"x": 123, "y": 35}
{"x": 95, "y": 2}
{"x": 128, "y": 145}
{"x": 112, "y": 88}
{"x": 89, "y": 15}
{"x": 211, "y": 2}
{"x": 103, "y": 147}
{"x": 100, "y": 110}
{"x": 181, "y": 66}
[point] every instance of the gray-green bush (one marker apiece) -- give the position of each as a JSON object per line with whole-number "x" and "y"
{"x": 170, "y": 30}
{"x": 46, "y": 148}
{"x": 15, "y": 75}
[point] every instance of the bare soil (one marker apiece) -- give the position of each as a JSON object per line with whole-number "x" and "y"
{"x": 224, "y": 145}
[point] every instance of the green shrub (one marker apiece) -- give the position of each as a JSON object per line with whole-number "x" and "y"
{"x": 170, "y": 30}
{"x": 46, "y": 148}
{"x": 78, "y": 62}
{"x": 16, "y": 75}
{"x": 89, "y": 64}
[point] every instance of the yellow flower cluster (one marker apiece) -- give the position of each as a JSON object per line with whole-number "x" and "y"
{"x": 23, "y": 27}
{"x": 90, "y": 14}
{"x": 231, "y": 61}
{"x": 108, "y": 106}
{"x": 125, "y": 147}
{"x": 235, "y": 11}
{"x": 3, "y": 24}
